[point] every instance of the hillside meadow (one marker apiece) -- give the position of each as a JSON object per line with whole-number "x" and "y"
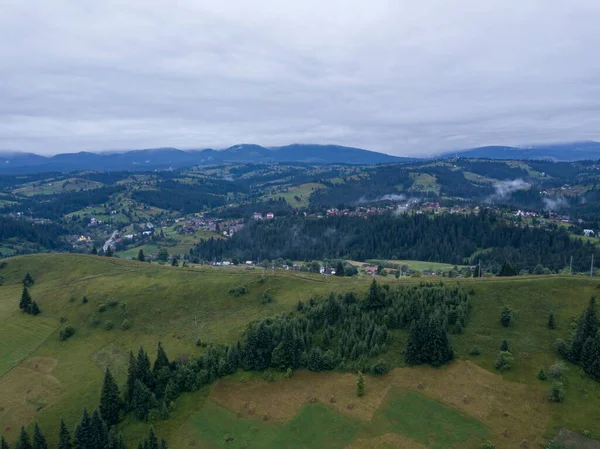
{"x": 44, "y": 379}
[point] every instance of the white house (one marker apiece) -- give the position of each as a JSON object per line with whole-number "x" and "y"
{"x": 588, "y": 232}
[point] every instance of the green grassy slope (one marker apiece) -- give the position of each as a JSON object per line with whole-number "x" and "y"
{"x": 179, "y": 305}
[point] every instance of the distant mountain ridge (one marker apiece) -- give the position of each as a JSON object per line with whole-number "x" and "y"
{"x": 163, "y": 158}
{"x": 574, "y": 151}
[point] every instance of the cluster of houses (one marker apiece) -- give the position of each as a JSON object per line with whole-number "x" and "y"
{"x": 267, "y": 216}
{"x": 359, "y": 211}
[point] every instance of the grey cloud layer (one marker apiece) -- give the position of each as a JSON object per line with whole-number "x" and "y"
{"x": 402, "y": 77}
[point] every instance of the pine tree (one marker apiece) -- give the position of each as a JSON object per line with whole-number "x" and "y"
{"x": 28, "y": 281}
{"x": 152, "y": 441}
{"x": 34, "y": 309}
{"x": 3, "y": 443}
{"x": 109, "y": 251}
{"x": 25, "y": 303}
{"x": 83, "y": 432}
{"x": 23, "y": 441}
{"x": 39, "y": 441}
{"x": 115, "y": 441}
{"x": 143, "y": 372}
{"x": 110, "y": 400}
{"x": 94, "y": 250}
{"x": 504, "y": 346}
{"x": 339, "y": 269}
{"x": 360, "y": 385}
{"x": 131, "y": 378}
{"x": 141, "y": 257}
{"x": 161, "y": 360}
{"x": 64, "y": 437}
{"x": 587, "y": 327}
{"x": 551, "y": 322}
{"x": 99, "y": 432}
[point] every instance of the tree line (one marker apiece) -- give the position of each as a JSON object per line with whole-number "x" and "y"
{"x": 455, "y": 239}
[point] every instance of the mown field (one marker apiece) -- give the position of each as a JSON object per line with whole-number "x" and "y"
{"x": 460, "y": 405}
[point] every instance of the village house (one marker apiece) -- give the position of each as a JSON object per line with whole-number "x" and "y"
{"x": 588, "y": 232}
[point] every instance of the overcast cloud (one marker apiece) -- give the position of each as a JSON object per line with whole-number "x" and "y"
{"x": 402, "y": 77}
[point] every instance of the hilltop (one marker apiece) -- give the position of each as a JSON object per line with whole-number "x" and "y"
{"x": 43, "y": 378}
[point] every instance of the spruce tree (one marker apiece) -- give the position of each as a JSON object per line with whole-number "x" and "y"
{"x": 94, "y": 250}
{"x": 551, "y": 322}
{"x": 143, "y": 372}
{"x": 25, "y": 303}
{"x": 591, "y": 356}
{"x": 39, "y": 441}
{"x": 141, "y": 257}
{"x": 115, "y": 441}
{"x": 28, "y": 281}
{"x": 34, "y": 309}
{"x": 587, "y": 327}
{"x": 83, "y": 432}
{"x": 99, "y": 431}
{"x": 3, "y": 443}
{"x": 360, "y": 385}
{"x": 23, "y": 441}
{"x": 161, "y": 360}
{"x": 143, "y": 401}
{"x": 109, "y": 251}
{"x": 131, "y": 378}
{"x": 64, "y": 437}
{"x": 152, "y": 441}
{"x": 504, "y": 346}
{"x": 339, "y": 269}
{"x": 506, "y": 316}
{"x": 110, "y": 400}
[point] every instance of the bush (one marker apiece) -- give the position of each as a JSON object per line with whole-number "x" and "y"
{"x": 562, "y": 347}
{"x": 505, "y": 361}
{"x": 488, "y": 445}
{"x": 66, "y": 333}
{"x": 474, "y": 351}
{"x": 289, "y": 373}
{"x": 113, "y": 303}
{"x": 238, "y": 291}
{"x": 125, "y": 325}
{"x": 108, "y": 325}
{"x": 63, "y": 319}
{"x": 380, "y": 367}
{"x": 102, "y": 308}
{"x": 84, "y": 300}
{"x": 268, "y": 376}
{"x": 94, "y": 320}
{"x": 557, "y": 392}
{"x": 557, "y": 369}
{"x": 267, "y": 298}
{"x": 506, "y": 316}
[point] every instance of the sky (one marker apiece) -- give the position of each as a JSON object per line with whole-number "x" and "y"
{"x": 402, "y": 77}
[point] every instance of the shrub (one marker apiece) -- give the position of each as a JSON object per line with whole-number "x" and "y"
{"x": 557, "y": 392}
{"x": 84, "y": 300}
{"x": 488, "y": 445}
{"x": 474, "y": 351}
{"x": 94, "y": 320}
{"x": 289, "y": 373}
{"x": 504, "y": 346}
{"x": 506, "y": 316}
{"x": 63, "y": 319}
{"x": 238, "y": 291}
{"x": 268, "y": 376}
{"x": 113, "y": 303}
{"x": 562, "y": 347}
{"x": 108, "y": 325}
{"x": 125, "y": 325}
{"x": 541, "y": 375}
{"x": 102, "y": 308}
{"x": 267, "y": 298}
{"x": 505, "y": 361}
{"x": 66, "y": 333}
{"x": 551, "y": 321}
{"x": 557, "y": 369}
{"x": 380, "y": 367}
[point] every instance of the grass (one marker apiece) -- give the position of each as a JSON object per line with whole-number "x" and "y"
{"x": 414, "y": 265}
{"x": 20, "y": 336}
{"x": 178, "y": 305}
{"x": 298, "y": 196}
{"x": 51, "y": 186}
{"x": 424, "y": 183}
